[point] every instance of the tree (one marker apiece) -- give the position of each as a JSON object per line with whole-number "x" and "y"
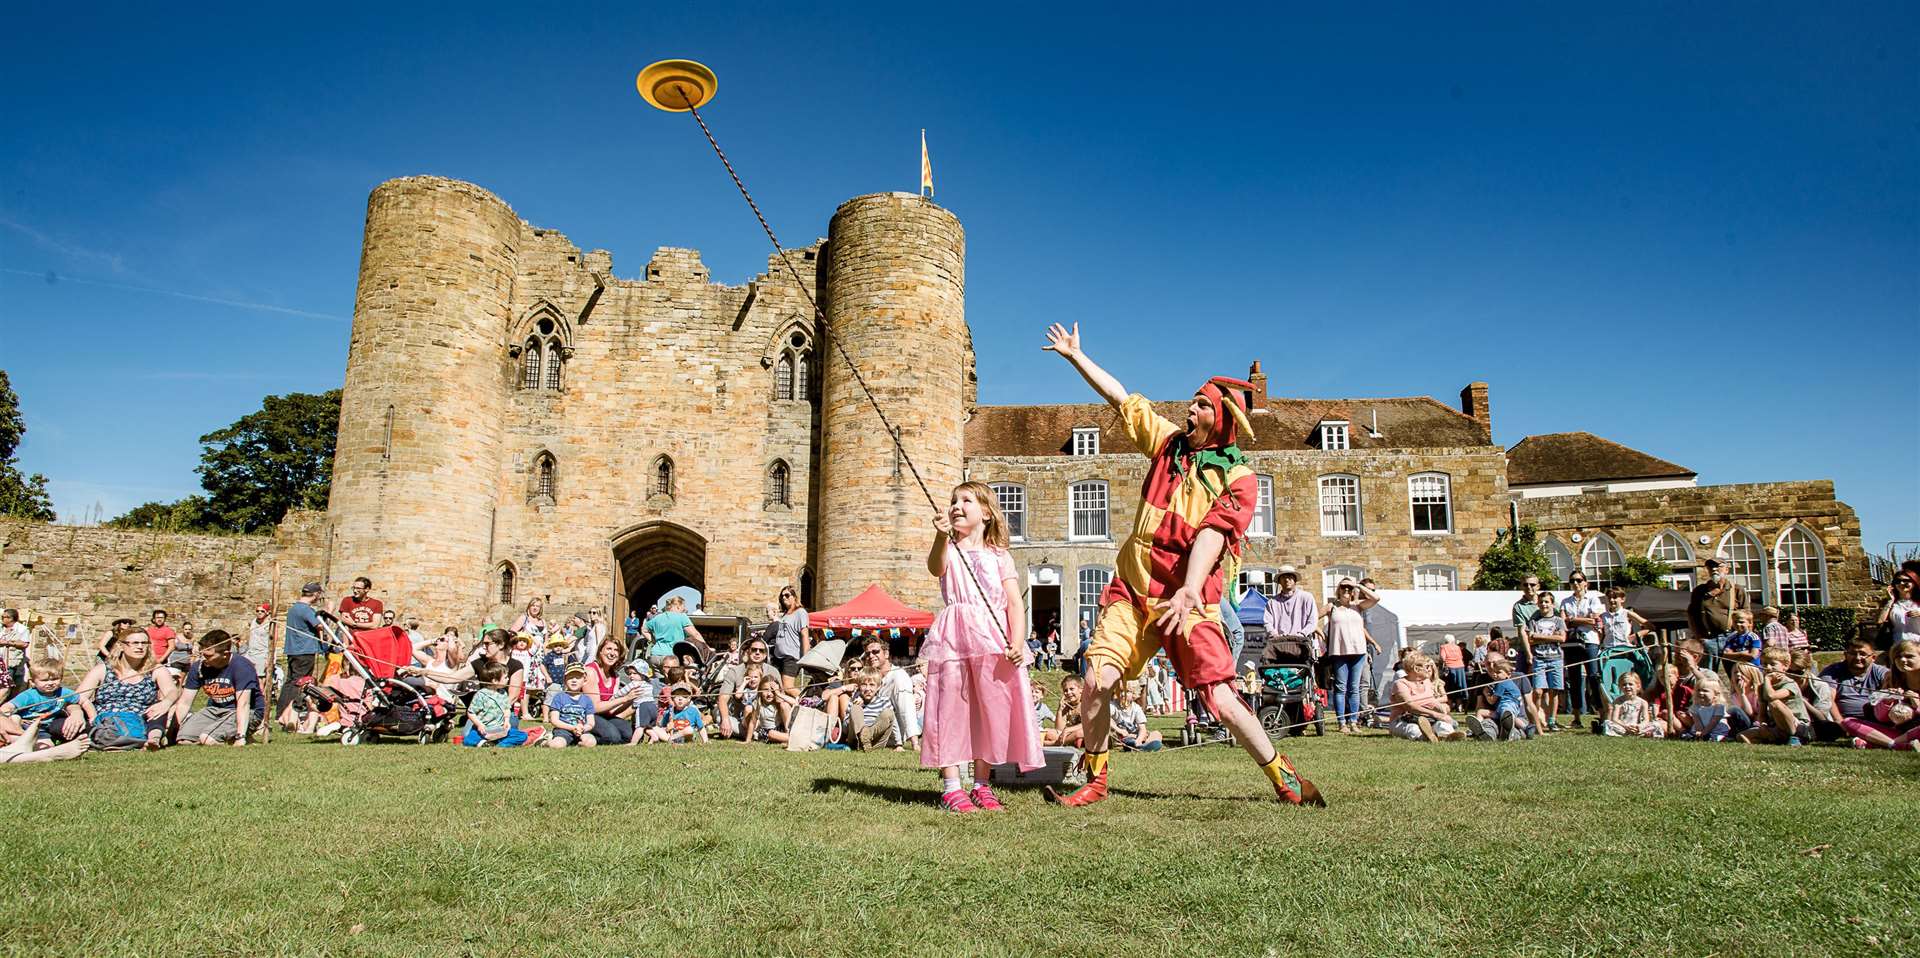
{"x": 21, "y": 496}
{"x": 1510, "y": 559}
{"x": 270, "y": 461}
{"x": 1641, "y": 571}
{"x": 185, "y": 515}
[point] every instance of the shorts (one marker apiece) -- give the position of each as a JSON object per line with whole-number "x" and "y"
{"x": 1127, "y": 637}
{"x": 221, "y": 723}
{"x": 1552, "y": 673}
{"x": 565, "y": 736}
{"x": 789, "y": 668}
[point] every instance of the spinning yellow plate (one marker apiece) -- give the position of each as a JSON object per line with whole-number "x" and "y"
{"x": 677, "y": 85}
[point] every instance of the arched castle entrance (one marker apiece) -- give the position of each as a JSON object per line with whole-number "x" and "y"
{"x": 651, "y": 557}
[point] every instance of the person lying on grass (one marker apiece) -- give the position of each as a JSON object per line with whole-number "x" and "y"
{"x": 684, "y": 724}
{"x": 1419, "y": 704}
{"x": 57, "y": 709}
{"x": 489, "y": 715}
{"x": 22, "y": 750}
{"x": 235, "y": 703}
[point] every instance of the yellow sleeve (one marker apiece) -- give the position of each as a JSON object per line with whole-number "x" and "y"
{"x": 1148, "y": 429}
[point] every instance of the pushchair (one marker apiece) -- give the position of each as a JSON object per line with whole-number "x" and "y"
{"x": 371, "y": 706}
{"x": 1288, "y": 698}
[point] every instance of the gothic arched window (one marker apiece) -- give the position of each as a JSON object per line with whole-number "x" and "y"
{"x": 506, "y": 583}
{"x": 779, "y": 484}
{"x": 783, "y": 377}
{"x": 663, "y": 476}
{"x": 530, "y": 365}
{"x": 803, "y": 376}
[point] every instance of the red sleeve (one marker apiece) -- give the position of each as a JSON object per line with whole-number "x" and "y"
{"x": 1232, "y": 511}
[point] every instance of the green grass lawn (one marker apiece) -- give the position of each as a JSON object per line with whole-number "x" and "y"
{"x": 1567, "y": 845}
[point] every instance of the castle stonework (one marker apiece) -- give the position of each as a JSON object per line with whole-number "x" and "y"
{"x": 519, "y": 422}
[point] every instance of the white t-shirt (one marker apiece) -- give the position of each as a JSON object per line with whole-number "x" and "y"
{"x": 1903, "y": 618}
{"x": 1591, "y": 606}
{"x": 19, "y": 632}
{"x": 1617, "y": 627}
{"x": 1129, "y": 721}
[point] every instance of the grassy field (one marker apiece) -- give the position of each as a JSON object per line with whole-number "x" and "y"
{"x": 1568, "y": 845}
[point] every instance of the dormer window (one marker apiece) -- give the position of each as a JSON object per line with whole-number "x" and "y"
{"x": 1333, "y": 435}
{"x": 1086, "y": 441}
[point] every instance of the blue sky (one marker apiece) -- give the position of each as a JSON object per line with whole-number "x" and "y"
{"x": 1693, "y": 229}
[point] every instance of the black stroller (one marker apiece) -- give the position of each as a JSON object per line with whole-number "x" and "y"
{"x": 1288, "y": 698}
{"x": 370, "y": 707}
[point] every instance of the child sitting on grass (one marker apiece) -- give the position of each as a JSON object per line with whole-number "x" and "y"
{"x": 1783, "y": 714}
{"x": 1632, "y": 716}
{"x": 489, "y": 720}
{"x": 569, "y": 711}
{"x": 57, "y": 709}
{"x": 684, "y": 724}
{"x": 1130, "y": 730}
{"x": 1708, "y": 713}
{"x": 1066, "y": 723}
{"x": 870, "y": 721}
{"x": 1502, "y": 704}
{"x": 1042, "y": 713}
{"x": 769, "y": 711}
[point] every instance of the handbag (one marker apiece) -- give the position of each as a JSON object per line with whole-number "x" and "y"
{"x": 806, "y": 729}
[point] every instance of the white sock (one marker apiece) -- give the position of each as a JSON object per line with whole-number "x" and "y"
{"x": 950, "y": 781}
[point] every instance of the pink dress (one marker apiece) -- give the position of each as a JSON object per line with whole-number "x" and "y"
{"x": 978, "y": 704}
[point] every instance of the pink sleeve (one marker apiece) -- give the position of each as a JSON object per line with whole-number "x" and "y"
{"x": 1007, "y": 570}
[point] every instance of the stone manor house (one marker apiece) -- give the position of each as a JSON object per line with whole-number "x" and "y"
{"x": 518, "y": 421}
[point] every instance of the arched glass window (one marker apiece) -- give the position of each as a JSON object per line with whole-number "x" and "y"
{"x": 543, "y": 476}
{"x": 1435, "y": 578}
{"x": 778, "y": 480}
{"x": 553, "y": 364}
{"x": 1669, "y": 548}
{"x": 663, "y": 476}
{"x": 1746, "y": 561}
{"x": 803, "y": 376}
{"x": 1331, "y": 576}
{"x": 783, "y": 377}
{"x": 530, "y": 365}
{"x": 506, "y": 583}
{"x": 1800, "y": 568}
{"x": 1431, "y": 495}
{"x": 1600, "y": 560}
{"x": 1562, "y": 561}
{"x": 1339, "y": 505}
{"x": 1087, "y": 503}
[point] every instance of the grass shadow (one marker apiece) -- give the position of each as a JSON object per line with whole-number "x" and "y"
{"x": 899, "y": 795}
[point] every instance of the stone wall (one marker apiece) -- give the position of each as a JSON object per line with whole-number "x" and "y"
{"x": 90, "y": 575}
{"x": 1386, "y": 547}
{"x": 1765, "y": 509}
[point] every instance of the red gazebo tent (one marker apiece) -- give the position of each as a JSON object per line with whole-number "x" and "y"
{"x": 872, "y": 609}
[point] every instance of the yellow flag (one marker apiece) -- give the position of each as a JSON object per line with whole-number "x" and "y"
{"x": 926, "y": 167}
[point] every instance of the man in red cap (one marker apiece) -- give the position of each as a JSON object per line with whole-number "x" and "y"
{"x": 1198, "y": 498}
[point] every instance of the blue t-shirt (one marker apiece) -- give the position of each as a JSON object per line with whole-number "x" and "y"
{"x": 686, "y": 720}
{"x": 667, "y": 628}
{"x": 554, "y": 663}
{"x": 572, "y": 709}
{"x": 1740, "y": 643}
{"x": 633, "y": 624}
{"x": 32, "y": 705}
{"x": 1507, "y": 693}
{"x": 303, "y": 630}
{"x": 224, "y": 687}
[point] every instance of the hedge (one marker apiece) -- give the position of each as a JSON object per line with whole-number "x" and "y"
{"x": 1828, "y": 626}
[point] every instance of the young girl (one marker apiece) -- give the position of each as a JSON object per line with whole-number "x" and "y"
{"x": 1897, "y": 707}
{"x": 1632, "y": 715}
{"x": 1066, "y": 722}
{"x": 974, "y": 658}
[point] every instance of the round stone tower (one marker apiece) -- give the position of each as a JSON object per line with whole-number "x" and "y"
{"x": 895, "y": 302}
{"x": 418, "y": 457}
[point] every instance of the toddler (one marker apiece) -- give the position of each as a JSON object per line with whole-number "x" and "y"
{"x": 685, "y": 724}
{"x": 569, "y": 711}
{"x": 1631, "y": 714}
{"x": 57, "y": 709}
{"x": 1503, "y": 703}
{"x": 1708, "y": 713}
{"x": 488, "y": 718}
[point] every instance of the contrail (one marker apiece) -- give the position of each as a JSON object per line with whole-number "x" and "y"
{"x": 53, "y": 277}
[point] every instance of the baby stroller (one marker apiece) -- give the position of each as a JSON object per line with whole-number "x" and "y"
{"x": 1288, "y": 698}
{"x": 371, "y": 706}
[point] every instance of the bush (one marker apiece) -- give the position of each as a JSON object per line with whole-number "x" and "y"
{"x": 1828, "y": 626}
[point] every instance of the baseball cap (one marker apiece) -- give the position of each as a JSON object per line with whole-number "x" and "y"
{"x": 264, "y": 607}
{"x": 311, "y": 588}
{"x": 682, "y": 689}
{"x": 575, "y": 668}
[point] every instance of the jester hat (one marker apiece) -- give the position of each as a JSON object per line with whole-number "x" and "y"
{"x": 1231, "y": 425}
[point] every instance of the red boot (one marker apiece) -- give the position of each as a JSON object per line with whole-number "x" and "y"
{"x": 1093, "y": 791}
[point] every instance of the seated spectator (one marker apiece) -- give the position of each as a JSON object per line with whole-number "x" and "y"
{"x": 1130, "y": 731}
{"x": 569, "y": 711}
{"x": 899, "y": 686}
{"x": 489, "y": 719}
{"x": 1419, "y": 705}
{"x": 127, "y": 697}
{"x": 1783, "y": 716}
{"x": 1066, "y": 724}
{"x": 870, "y": 721}
{"x": 1897, "y": 708}
{"x": 1503, "y": 704}
{"x": 685, "y": 723}
{"x": 1631, "y": 715}
{"x": 1855, "y": 680}
{"x": 1708, "y": 713}
{"x": 1796, "y": 633}
{"x": 620, "y": 706}
{"x": 1042, "y": 713}
{"x": 56, "y": 709}
{"x": 1685, "y": 677}
{"x": 735, "y": 685}
{"x": 768, "y": 713}
{"x": 1767, "y": 625}
{"x": 235, "y": 702}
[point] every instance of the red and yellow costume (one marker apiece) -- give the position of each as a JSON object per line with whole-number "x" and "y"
{"x": 1186, "y": 490}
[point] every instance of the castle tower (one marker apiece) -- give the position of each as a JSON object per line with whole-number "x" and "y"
{"x": 895, "y": 303}
{"x": 418, "y": 457}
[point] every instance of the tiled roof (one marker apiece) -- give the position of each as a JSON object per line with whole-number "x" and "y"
{"x": 1404, "y": 422}
{"x": 1569, "y": 457}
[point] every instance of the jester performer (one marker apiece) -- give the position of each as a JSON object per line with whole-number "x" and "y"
{"x": 1198, "y": 498}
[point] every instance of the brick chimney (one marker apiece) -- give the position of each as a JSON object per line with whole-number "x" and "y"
{"x": 1259, "y": 381}
{"x": 1473, "y": 402}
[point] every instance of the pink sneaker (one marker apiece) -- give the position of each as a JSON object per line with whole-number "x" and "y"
{"x": 958, "y": 803}
{"x": 984, "y": 800}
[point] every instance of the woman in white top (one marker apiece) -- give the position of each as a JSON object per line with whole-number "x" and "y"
{"x": 1901, "y": 611}
{"x": 1347, "y": 646}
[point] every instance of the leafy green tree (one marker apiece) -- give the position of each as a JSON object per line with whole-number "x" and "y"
{"x": 1510, "y": 559}
{"x": 1641, "y": 571}
{"x": 270, "y": 461}
{"x": 184, "y": 515}
{"x": 21, "y": 496}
